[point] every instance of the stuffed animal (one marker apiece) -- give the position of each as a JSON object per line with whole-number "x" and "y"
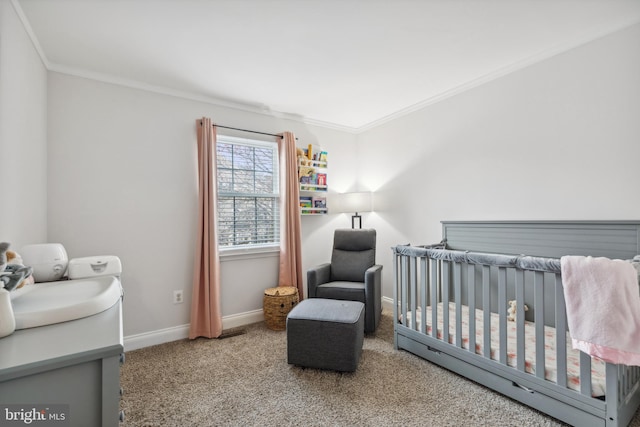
{"x": 15, "y": 260}
{"x": 511, "y": 311}
{"x": 303, "y": 160}
{"x": 13, "y": 274}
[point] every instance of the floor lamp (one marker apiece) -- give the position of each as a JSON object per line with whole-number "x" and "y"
{"x": 356, "y": 202}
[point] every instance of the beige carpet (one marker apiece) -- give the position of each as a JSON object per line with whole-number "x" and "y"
{"x": 245, "y": 381}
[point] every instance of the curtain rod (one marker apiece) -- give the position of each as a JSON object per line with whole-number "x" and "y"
{"x": 250, "y": 131}
{"x": 246, "y": 130}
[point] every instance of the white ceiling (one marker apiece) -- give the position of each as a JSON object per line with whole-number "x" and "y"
{"x": 344, "y": 63}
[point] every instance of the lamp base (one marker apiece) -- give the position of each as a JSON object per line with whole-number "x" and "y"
{"x": 353, "y": 220}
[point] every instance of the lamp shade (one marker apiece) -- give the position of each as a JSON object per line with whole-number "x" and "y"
{"x": 356, "y": 202}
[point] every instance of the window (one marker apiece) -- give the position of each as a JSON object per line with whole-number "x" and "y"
{"x": 248, "y": 193}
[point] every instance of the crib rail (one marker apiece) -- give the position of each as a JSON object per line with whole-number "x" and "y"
{"x": 433, "y": 285}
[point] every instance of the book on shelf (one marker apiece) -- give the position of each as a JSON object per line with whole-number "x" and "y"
{"x": 319, "y": 202}
{"x": 323, "y": 157}
{"x": 315, "y": 154}
{"x": 314, "y": 182}
{"x": 306, "y": 180}
{"x": 306, "y": 202}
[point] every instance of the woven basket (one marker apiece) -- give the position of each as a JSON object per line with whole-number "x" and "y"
{"x": 276, "y": 304}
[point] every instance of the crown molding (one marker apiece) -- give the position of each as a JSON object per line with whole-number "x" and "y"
{"x": 136, "y": 84}
{"x": 30, "y": 33}
{"x": 329, "y": 125}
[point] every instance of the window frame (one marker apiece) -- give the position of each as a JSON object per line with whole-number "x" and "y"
{"x": 249, "y": 248}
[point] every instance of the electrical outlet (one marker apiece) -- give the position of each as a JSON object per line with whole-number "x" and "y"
{"x": 177, "y": 297}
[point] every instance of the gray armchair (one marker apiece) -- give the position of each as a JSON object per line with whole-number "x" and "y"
{"x": 352, "y": 274}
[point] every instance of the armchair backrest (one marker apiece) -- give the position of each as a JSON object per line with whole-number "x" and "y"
{"x": 354, "y": 251}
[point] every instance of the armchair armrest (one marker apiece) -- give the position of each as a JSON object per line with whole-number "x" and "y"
{"x": 373, "y": 281}
{"x": 373, "y": 296}
{"x": 317, "y": 276}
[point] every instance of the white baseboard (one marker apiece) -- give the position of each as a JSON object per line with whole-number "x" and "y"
{"x": 387, "y": 303}
{"x": 161, "y": 336}
{"x": 242, "y": 319}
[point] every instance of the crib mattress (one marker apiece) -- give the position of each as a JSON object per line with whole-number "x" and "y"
{"x": 598, "y": 385}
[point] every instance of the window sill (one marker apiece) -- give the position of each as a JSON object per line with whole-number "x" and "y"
{"x": 232, "y": 254}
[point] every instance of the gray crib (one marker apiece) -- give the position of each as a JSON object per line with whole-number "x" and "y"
{"x": 451, "y": 308}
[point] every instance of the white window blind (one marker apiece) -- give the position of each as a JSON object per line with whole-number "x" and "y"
{"x": 248, "y": 193}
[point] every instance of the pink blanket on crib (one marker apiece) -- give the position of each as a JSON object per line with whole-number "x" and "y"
{"x": 603, "y": 307}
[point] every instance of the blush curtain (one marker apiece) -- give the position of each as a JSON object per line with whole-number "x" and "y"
{"x": 206, "y": 317}
{"x": 290, "y": 246}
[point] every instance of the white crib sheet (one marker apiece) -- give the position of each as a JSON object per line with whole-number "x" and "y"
{"x": 598, "y": 386}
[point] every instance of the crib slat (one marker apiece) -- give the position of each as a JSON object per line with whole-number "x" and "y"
{"x": 538, "y": 283}
{"x": 424, "y": 293}
{"x": 585, "y": 374}
{"x": 471, "y": 289}
{"x": 633, "y": 374}
{"x": 456, "y": 297}
{"x": 446, "y": 282}
{"x": 395, "y": 297}
{"x": 561, "y": 333}
{"x": 404, "y": 286}
{"x": 615, "y": 390}
{"x": 435, "y": 284}
{"x": 502, "y": 312}
{"x": 486, "y": 310}
{"x": 413, "y": 278}
{"x": 520, "y": 338}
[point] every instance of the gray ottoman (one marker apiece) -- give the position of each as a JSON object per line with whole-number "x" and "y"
{"x": 325, "y": 334}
